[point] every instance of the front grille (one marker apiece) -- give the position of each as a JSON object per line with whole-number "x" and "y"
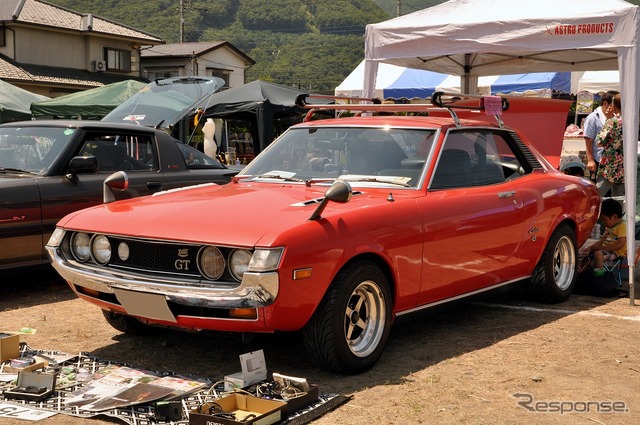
{"x": 159, "y": 257}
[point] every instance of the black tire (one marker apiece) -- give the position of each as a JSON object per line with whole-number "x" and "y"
{"x": 555, "y": 275}
{"x": 349, "y": 329}
{"x": 127, "y": 324}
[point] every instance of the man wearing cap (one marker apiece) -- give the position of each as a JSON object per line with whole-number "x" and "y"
{"x": 572, "y": 165}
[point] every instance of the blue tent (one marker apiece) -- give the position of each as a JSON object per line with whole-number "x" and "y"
{"x": 555, "y": 81}
{"x": 398, "y": 82}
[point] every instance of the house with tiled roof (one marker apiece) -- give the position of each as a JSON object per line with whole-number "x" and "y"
{"x": 208, "y": 58}
{"x": 50, "y": 50}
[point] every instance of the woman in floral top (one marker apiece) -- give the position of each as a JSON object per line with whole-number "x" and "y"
{"x": 611, "y": 170}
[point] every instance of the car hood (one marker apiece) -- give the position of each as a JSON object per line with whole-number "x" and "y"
{"x": 162, "y": 103}
{"x": 238, "y": 214}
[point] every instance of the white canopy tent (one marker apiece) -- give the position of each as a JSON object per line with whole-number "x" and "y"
{"x": 472, "y": 38}
{"x": 398, "y": 82}
{"x": 599, "y": 81}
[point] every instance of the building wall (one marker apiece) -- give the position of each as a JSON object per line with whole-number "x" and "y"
{"x": 219, "y": 59}
{"x": 63, "y": 49}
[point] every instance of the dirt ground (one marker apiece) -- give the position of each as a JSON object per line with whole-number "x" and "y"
{"x": 505, "y": 360}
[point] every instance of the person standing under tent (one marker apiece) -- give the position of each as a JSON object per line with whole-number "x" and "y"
{"x": 592, "y": 126}
{"x": 611, "y": 169}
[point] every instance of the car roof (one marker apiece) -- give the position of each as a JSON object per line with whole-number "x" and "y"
{"x": 83, "y": 124}
{"x": 425, "y": 122}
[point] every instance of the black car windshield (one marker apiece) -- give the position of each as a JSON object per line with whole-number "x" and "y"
{"x": 32, "y": 149}
{"x": 367, "y": 156}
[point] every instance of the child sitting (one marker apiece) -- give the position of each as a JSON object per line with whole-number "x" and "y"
{"x": 613, "y": 243}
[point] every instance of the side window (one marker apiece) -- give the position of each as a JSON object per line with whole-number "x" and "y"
{"x": 475, "y": 158}
{"x": 453, "y": 168}
{"x": 115, "y": 152}
{"x": 196, "y": 160}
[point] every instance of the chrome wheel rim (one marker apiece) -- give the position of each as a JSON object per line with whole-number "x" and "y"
{"x": 365, "y": 317}
{"x": 564, "y": 263}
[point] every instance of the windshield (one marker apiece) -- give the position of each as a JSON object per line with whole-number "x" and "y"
{"x": 32, "y": 149}
{"x": 363, "y": 156}
{"x": 165, "y": 102}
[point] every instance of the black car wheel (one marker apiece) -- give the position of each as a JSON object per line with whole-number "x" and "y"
{"x": 350, "y": 328}
{"x": 555, "y": 275}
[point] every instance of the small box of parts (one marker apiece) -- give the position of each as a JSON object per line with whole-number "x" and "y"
{"x": 9, "y": 346}
{"x": 32, "y": 386}
{"x": 238, "y": 409}
{"x": 299, "y": 402}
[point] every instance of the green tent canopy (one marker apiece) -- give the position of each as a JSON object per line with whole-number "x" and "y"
{"x": 15, "y": 102}
{"x": 88, "y": 104}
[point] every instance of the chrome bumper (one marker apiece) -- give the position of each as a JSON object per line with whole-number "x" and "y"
{"x": 255, "y": 290}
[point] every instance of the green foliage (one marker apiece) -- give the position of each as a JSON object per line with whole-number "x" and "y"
{"x": 275, "y": 15}
{"x": 310, "y": 44}
{"x": 345, "y": 17}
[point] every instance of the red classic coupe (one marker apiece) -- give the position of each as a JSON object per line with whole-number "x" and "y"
{"x": 337, "y": 228}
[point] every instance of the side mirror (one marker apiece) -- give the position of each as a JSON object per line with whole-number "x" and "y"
{"x": 340, "y": 191}
{"x": 82, "y": 165}
{"x": 116, "y": 181}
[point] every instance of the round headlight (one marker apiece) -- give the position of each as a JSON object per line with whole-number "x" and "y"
{"x": 101, "y": 249}
{"x": 81, "y": 247}
{"x": 123, "y": 251}
{"x": 239, "y": 262}
{"x": 211, "y": 262}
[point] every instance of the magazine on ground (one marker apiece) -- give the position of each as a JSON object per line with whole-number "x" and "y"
{"x": 118, "y": 386}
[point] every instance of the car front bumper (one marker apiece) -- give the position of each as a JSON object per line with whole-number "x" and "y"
{"x": 256, "y": 289}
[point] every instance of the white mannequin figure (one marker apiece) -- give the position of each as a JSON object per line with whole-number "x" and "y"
{"x": 210, "y": 146}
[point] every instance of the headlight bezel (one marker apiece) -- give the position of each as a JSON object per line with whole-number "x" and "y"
{"x": 238, "y": 265}
{"x": 219, "y": 258}
{"x": 101, "y": 254}
{"x": 76, "y": 249}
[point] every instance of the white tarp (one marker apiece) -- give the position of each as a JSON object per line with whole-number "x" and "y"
{"x": 397, "y": 82}
{"x": 599, "y": 81}
{"x": 492, "y": 37}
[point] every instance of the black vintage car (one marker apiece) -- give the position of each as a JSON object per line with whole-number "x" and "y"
{"x": 50, "y": 168}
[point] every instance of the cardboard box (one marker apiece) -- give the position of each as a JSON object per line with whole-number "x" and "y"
{"x": 254, "y": 369}
{"x": 299, "y": 403}
{"x": 32, "y": 386}
{"x": 240, "y": 405}
{"x": 9, "y": 346}
{"x": 35, "y": 366}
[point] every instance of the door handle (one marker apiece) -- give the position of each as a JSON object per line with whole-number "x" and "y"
{"x": 154, "y": 185}
{"x": 506, "y": 194}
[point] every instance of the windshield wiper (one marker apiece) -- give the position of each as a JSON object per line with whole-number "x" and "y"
{"x": 280, "y": 176}
{"x": 308, "y": 182}
{"x": 14, "y": 170}
{"x": 369, "y": 179}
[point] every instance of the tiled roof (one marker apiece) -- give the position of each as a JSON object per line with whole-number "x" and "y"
{"x": 187, "y": 49}
{"x": 38, "y": 12}
{"x": 11, "y": 71}
{"x": 181, "y": 49}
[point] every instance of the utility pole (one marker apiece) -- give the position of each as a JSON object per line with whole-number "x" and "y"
{"x": 398, "y": 4}
{"x": 181, "y": 21}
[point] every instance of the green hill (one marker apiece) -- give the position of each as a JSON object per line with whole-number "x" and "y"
{"x": 311, "y": 44}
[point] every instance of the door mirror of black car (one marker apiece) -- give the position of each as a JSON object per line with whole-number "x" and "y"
{"x": 83, "y": 165}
